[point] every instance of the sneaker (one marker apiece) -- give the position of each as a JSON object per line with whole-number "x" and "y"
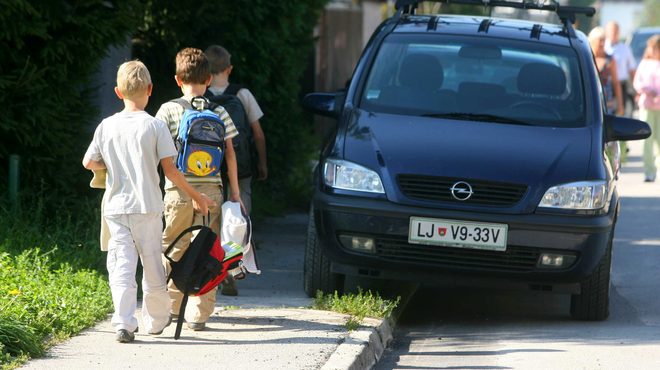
{"x": 161, "y": 331}
{"x": 196, "y": 326}
{"x": 229, "y": 287}
{"x": 124, "y": 336}
{"x": 174, "y": 317}
{"x": 649, "y": 178}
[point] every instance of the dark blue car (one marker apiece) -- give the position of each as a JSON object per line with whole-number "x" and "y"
{"x": 470, "y": 152}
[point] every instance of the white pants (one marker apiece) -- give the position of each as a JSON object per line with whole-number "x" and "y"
{"x": 132, "y": 236}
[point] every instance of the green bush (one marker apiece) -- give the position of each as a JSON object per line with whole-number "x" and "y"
{"x": 50, "y": 49}
{"x": 270, "y": 43}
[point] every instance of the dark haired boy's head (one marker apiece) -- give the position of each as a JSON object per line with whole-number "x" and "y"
{"x": 192, "y": 67}
{"x": 219, "y": 58}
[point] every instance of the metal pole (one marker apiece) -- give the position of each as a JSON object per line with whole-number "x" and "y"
{"x": 14, "y": 177}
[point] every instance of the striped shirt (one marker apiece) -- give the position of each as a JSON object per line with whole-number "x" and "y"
{"x": 171, "y": 113}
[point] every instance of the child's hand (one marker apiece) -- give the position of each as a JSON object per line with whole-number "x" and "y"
{"x": 263, "y": 172}
{"x": 203, "y": 204}
{"x": 237, "y": 199}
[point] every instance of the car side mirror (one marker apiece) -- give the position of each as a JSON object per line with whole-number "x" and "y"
{"x": 322, "y": 104}
{"x": 625, "y": 129}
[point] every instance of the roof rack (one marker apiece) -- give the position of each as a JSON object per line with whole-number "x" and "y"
{"x": 567, "y": 14}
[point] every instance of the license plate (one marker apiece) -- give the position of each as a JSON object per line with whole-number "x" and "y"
{"x": 458, "y": 234}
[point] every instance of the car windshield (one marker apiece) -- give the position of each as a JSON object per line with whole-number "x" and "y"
{"x": 466, "y": 77}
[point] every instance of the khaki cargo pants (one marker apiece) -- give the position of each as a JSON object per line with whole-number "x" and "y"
{"x": 180, "y": 215}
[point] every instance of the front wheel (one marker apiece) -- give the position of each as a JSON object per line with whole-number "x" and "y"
{"x": 593, "y": 303}
{"x": 317, "y": 274}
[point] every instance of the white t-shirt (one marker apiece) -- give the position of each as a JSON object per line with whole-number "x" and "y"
{"x": 625, "y": 61}
{"x": 132, "y": 144}
{"x": 249, "y": 102}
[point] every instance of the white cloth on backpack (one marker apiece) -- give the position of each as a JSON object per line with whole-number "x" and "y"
{"x": 238, "y": 229}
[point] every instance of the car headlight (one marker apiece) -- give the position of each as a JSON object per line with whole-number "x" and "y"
{"x": 583, "y": 195}
{"x": 341, "y": 174}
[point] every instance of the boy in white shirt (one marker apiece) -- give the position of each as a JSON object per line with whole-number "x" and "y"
{"x": 130, "y": 144}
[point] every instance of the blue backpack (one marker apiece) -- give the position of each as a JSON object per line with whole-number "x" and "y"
{"x": 201, "y": 139}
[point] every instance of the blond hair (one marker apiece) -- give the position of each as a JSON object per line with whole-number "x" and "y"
{"x": 192, "y": 66}
{"x": 596, "y": 33}
{"x": 219, "y": 58}
{"x": 133, "y": 79}
{"x": 653, "y": 42}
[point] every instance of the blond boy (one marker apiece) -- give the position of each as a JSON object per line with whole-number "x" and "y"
{"x": 193, "y": 76}
{"x": 130, "y": 144}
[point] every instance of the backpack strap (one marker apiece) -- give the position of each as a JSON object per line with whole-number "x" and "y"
{"x": 188, "y": 104}
{"x": 184, "y": 103}
{"x": 182, "y": 314}
{"x": 233, "y": 89}
{"x": 186, "y": 231}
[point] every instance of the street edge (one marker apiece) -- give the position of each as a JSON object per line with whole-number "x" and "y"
{"x": 364, "y": 347}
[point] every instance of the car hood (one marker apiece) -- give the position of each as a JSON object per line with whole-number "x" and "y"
{"x": 535, "y": 156}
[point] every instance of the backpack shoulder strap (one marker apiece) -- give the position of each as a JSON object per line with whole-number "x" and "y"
{"x": 233, "y": 89}
{"x": 184, "y": 103}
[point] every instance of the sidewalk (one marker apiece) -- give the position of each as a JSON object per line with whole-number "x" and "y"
{"x": 271, "y": 331}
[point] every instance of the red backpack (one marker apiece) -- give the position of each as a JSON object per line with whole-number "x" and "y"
{"x": 202, "y": 267}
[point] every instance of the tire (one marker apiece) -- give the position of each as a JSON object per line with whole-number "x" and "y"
{"x": 317, "y": 274}
{"x": 593, "y": 304}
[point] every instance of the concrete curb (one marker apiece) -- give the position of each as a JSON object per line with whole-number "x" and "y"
{"x": 362, "y": 348}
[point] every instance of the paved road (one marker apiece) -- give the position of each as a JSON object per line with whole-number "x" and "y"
{"x": 478, "y": 329}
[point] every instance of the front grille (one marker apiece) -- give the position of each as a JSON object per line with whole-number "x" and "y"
{"x": 437, "y": 189}
{"x": 397, "y": 248}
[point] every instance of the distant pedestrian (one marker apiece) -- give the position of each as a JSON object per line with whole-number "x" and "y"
{"x": 193, "y": 75}
{"x": 130, "y": 144}
{"x": 607, "y": 68}
{"x": 647, "y": 84}
{"x": 221, "y": 68}
{"x": 626, "y": 66}
{"x": 625, "y": 61}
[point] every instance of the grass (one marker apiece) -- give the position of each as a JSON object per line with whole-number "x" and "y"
{"x": 357, "y": 306}
{"x": 50, "y": 288}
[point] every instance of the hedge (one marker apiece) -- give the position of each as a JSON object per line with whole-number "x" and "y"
{"x": 50, "y": 49}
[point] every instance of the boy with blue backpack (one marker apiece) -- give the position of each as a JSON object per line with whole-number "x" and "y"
{"x": 130, "y": 144}
{"x": 200, "y": 130}
{"x": 246, "y": 113}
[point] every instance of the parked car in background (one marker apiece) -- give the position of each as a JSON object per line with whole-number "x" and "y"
{"x": 470, "y": 151}
{"x": 638, "y": 39}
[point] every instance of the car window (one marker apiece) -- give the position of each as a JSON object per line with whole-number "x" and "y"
{"x": 535, "y": 83}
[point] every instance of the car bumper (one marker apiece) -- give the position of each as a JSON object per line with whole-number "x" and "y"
{"x": 529, "y": 236}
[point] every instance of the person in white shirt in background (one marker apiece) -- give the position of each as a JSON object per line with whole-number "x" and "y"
{"x": 626, "y": 67}
{"x": 625, "y": 61}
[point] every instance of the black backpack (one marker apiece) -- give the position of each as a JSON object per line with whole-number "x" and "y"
{"x": 246, "y": 154}
{"x": 202, "y": 266}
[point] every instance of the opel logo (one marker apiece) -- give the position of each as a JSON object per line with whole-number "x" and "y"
{"x": 461, "y": 191}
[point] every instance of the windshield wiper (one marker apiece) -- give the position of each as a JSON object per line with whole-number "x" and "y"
{"x": 478, "y": 117}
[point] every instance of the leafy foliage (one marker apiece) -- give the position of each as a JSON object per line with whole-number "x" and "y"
{"x": 651, "y": 15}
{"x": 48, "y": 295}
{"x": 270, "y": 42}
{"x": 50, "y": 49}
{"x": 39, "y": 301}
{"x": 358, "y": 306}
